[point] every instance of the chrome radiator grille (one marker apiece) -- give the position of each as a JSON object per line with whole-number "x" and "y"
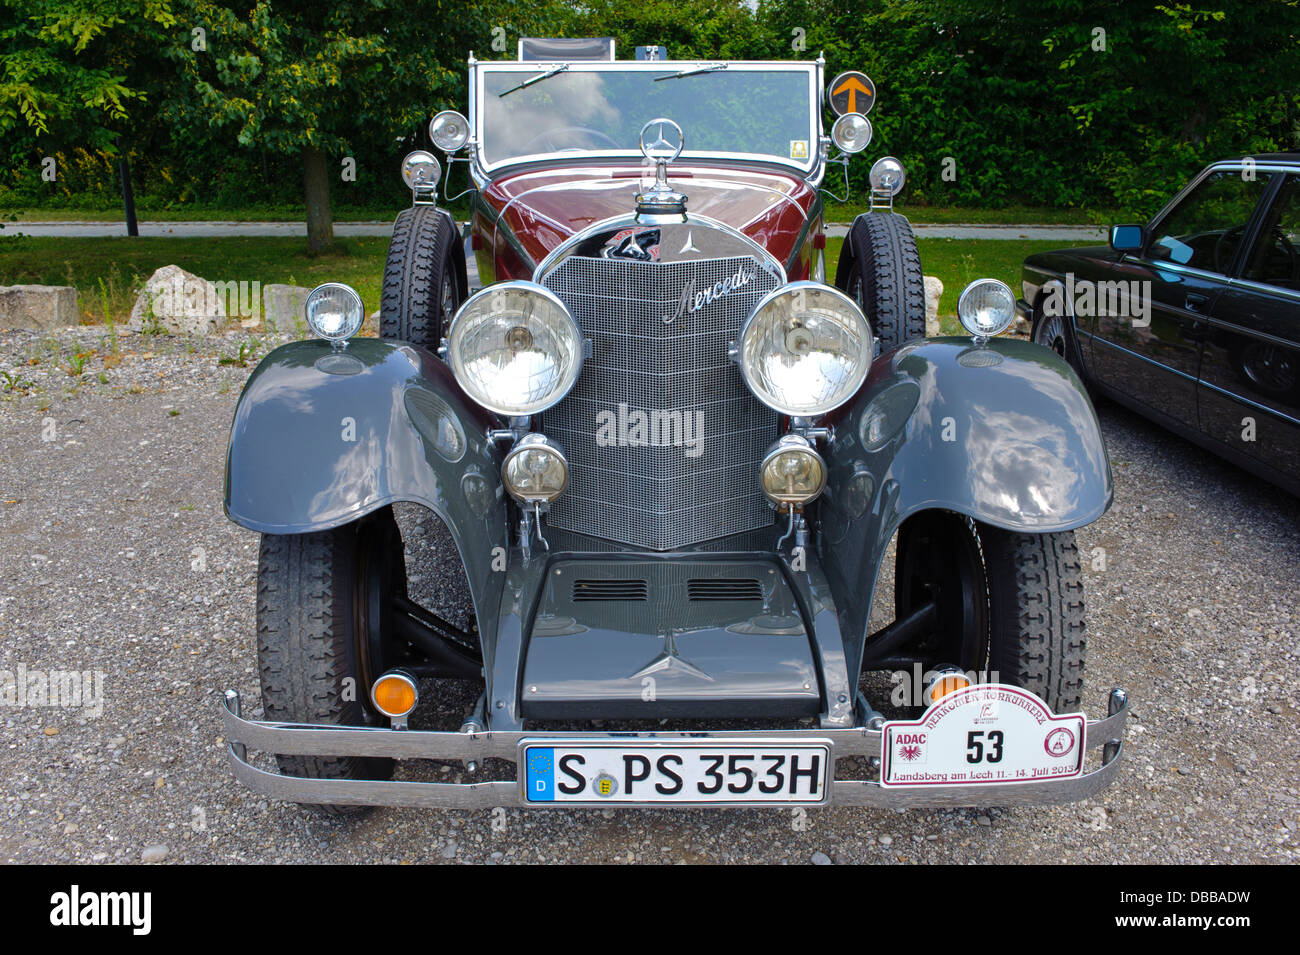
{"x": 674, "y": 494}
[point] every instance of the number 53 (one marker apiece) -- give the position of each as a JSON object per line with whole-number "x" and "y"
{"x": 975, "y": 746}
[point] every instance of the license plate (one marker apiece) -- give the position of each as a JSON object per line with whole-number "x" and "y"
{"x": 683, "y": 772}
{"x": 989, "y": 733}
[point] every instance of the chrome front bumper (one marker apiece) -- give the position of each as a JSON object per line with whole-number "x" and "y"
{"x": 306, "y": 740}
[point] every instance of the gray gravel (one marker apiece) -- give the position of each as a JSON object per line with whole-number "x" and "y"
{"x": 117, "y": 558}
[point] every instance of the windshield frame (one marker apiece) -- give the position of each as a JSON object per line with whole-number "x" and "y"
{"x": 807, "y": 169}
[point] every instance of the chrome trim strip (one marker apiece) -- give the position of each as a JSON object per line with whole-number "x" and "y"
{"x": 307, "y": 740}
{"x": 1266, "y": 289}
{"x": 807, "y": 171}
{"x": 1242, "y": 399}
{"x": 561, "y": 251}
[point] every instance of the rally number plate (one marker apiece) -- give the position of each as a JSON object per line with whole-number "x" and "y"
{"x": 989, "y": 733}
{"x": 683, "y": 772}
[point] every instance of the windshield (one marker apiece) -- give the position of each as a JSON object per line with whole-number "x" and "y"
{"x": 766, "y": 111}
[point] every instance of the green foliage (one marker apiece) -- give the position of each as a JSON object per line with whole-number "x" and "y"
{"x": 989, "y": 103}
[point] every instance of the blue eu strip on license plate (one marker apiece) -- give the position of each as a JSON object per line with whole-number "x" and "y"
{"x": 675, "y": 772}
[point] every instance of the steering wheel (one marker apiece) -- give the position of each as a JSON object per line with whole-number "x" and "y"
{"x": 548, "y": 138}
{"x": 1222, "y": 253}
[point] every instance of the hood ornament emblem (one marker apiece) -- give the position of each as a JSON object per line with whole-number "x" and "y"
{"x": 665, "y": 146}
{"x": 690, "y": 245}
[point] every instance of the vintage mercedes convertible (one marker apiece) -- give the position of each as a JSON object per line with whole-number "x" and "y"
{"x": 673, "y": 460}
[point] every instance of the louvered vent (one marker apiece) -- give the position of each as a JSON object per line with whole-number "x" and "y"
{"x": 610, "y": 590}
{"x": 723, "y": 588}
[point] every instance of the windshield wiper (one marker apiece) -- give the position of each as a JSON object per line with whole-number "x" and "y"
{"x": 537, "y": 79}
{"x": 693, "y": 71}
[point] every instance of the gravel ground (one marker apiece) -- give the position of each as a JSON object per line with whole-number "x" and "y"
{"x": 118, "y": 559}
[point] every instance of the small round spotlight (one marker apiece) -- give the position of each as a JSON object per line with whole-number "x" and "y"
{"x": 888, "y": 176}
{"x": 852, "y": 132}
{"x": 421, "y": 171}
{"x": 449, "y": 130}
{"x": 334, "y": 311}
{"x": 536, "y": 470}
{"x": 792, "y": 473}
{"x": 986, "y": 308}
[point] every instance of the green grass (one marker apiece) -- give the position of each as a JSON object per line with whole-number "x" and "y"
{"x": 957, "y": 262}
{"x": 106, "y": 272}
{"x": 1010, "y": 215}
{"x": 122, "y": 265}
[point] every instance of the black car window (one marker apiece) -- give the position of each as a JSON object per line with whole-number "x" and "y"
{"x": 1275, "y": 259}
{"x": 1205, "y": 229}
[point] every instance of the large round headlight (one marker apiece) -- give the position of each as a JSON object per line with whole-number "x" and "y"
{"x": 334, "y": 311}
{"x": 852, "y": 132}
{"x": 449, "y": 130}
{"x": 420, "y": 170}
{"x": 986, "y": 307}
{"x": 805, "y": 349}
{"x": 515, "y": 348}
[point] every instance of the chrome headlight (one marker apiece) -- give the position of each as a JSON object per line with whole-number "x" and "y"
{"x": 535, "y": 471}
{"x": 449, "y": 130}
{"x": 805, "y": 349}
{"x": 792, "y": 471}
{"x": 421, "y": 171}
{"x": 334, "y": 311}
{"x": 887, "y": 176}
{"x": 515, "y": 348}
{"x": 986, "y": 307}
{"x": 852, "y": 132}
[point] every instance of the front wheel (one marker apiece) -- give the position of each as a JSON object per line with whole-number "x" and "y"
{"x": 1006, "y": 603}
{"x": 322, "y": 601}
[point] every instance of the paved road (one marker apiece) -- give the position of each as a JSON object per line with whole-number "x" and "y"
{"x": 1063, "y": 233}
{"x": 117, "y": 558}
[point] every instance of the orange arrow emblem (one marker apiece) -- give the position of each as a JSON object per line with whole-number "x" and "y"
{"x": 854, "y": 86}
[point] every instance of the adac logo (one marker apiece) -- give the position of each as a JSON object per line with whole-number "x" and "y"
{"x": 604, "y": 785}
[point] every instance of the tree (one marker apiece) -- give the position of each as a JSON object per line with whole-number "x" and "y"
{"x": 77, "y": 72}
{"x": 320, "y": 79}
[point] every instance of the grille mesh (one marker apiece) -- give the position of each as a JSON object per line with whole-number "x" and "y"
{"x": 660, "y": 497}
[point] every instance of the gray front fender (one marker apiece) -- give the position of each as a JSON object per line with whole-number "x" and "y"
{"x": 1003, "y": 433}
{"x": 321, "y": 439}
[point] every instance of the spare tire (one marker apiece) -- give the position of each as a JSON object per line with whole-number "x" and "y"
{"x": 423, "y": 280}
{"x": 880, "y": 269}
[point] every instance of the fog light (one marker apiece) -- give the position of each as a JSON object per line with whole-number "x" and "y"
{"x": 394, "y": 694}
{"x": 334, "y": 312}
{"x": 792, "y": 472}
{"x": 946, "y": 681}
{"x": 986, "y": 308}
{"x": 535, "y": 471}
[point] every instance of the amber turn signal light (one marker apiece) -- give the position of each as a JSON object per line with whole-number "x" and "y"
{"x": 394, "y": 694}
{"x": 946, "y": 683}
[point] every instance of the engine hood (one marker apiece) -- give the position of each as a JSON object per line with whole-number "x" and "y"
{"x": 538, "y": 210}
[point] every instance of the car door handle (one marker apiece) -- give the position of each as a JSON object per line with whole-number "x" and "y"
{"x": 1196, "y": 302}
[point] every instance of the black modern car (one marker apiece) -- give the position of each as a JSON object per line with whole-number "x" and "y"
{"x": 1193, "y": 319}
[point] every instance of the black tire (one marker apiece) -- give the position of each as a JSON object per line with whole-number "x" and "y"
{"x": 424, "y": 277}
{"x": 1009, "y": 604}
{"x": 881, "y": 271}
{"x": 1038, "y": 631}
{"x": 318, "y": 630}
